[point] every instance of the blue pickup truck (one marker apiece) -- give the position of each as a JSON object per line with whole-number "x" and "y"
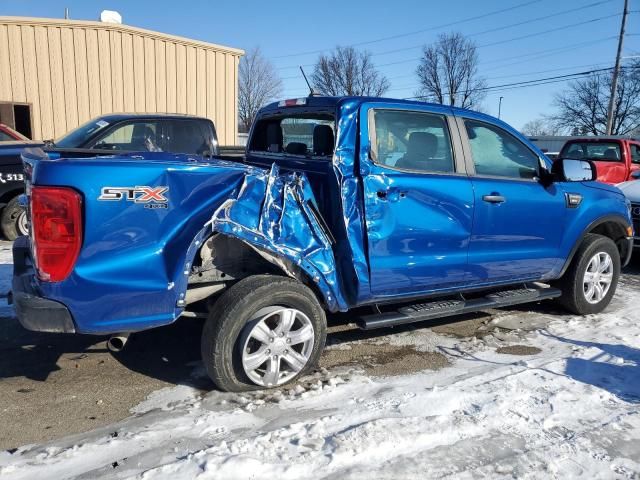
{"x": 394, "y": 210}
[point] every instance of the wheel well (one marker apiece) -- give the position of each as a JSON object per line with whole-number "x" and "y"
{"x": 616, "y": 232}
{"x": 7, "y": 196}
{"x": 222, "y": 258}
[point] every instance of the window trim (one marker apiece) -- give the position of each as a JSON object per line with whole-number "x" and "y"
{"x": 471, "y": 166}
{"x": 449, "y": 121}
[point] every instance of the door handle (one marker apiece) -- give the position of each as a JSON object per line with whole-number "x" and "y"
{"x": 493, "y": 198}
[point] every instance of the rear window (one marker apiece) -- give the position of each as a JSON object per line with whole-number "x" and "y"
{"x": 309, "y": 135}
{"x": 598, "y": 152}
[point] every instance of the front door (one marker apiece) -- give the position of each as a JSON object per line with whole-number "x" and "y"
{"x": 418, "y": 200}
{"x": 518, "y": 221}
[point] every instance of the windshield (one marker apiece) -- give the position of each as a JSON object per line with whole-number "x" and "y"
{"x": 595, "y": 151}
{"x": 76, "y": 138}
{"x": 303, "y": 134}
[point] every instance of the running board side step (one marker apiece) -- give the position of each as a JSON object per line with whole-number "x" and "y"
{"x": 446, "y": 308}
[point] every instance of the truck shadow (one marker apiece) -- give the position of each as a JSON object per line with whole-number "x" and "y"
{"x": 615, "y": 368}
{"x": 35, "y": 355}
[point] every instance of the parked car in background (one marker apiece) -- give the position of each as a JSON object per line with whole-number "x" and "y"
{"x": 631, "y": 190}
{"x": 8, "y": 134}
{"x": 105, "y": 135}
{"x": 615, "y": 158}
{"x": 419, "y": 211}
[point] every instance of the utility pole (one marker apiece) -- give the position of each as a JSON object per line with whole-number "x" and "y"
{"x": 499, "y": 107}
{"x": 616, "y": 71}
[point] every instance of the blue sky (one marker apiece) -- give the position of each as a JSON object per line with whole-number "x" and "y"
{"x": 515, "y": 45}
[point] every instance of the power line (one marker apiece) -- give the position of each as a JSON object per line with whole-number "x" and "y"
{"x": 500, "y": 42}
{"x": 536, "y": 82}
{"x": 415, "y": 32}
{"x": 504, "y": 27}
{"x": 566, "y": 48}
{"x": 404, "y": 87}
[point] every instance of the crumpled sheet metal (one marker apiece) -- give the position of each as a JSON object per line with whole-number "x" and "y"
{"x": 272, "y": 212}
{"x": 355, "y": 266}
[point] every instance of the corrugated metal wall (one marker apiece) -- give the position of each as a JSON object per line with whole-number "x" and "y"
{"x": 71, "y": 71}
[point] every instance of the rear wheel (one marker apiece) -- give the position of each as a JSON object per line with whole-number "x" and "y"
{"x": 264, "y": 332}
{"x": 591, "y": 280}
{"x": 14, "y": 220}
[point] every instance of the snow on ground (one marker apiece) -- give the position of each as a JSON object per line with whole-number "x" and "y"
{"x": 568, "y": 411}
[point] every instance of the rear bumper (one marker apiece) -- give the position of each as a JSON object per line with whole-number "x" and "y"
{"x": 35, "y": 312}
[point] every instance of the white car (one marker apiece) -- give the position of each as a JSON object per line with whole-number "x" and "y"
{"x": 631, "y": 189}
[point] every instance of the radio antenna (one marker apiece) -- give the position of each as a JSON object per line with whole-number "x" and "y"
{"x": 311, "y": 92}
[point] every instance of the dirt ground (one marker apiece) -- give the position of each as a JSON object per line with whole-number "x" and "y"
{"x": 52, "y": 385}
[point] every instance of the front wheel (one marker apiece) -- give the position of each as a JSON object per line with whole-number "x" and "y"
{"x": 591, "y": 280}
{"x": 14, "y": 220}
{"x": 264, "y": 332}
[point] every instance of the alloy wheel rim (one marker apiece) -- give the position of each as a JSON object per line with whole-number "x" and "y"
{"x": 598, "y": 277}
{"x": 22, "y": 223}
{"x": 277, "y": 346}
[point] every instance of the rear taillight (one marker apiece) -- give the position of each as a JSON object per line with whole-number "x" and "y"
{"x": 56, "y": 225}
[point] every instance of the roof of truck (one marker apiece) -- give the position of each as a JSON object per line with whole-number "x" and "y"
{"x": 323, "y": 101}
{"x": 117, "y": 117}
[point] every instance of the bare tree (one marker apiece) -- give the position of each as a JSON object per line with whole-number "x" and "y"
{"x": 448, "y": 72}
{"x": 538, "y": 127}
{"x": 258, "y": 83}
{"x": 346, "y": 71}
{"x": 582, "y": 107}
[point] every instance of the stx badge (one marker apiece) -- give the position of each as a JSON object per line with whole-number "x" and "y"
{"x": 150, "y": 197}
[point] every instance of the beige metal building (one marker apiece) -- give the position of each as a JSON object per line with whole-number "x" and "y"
{"x": 56, "y": 74}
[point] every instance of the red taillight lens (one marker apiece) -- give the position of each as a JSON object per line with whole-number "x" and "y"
{"x": 56, "y": 225}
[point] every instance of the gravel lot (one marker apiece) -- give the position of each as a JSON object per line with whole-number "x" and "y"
{"x": 53, "y": 385}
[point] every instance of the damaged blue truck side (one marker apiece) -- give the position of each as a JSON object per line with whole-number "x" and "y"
{"x": 396, "y": 211}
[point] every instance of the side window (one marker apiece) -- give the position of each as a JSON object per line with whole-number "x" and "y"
{"x": 136, "y": 136}
{"x": 4, "y": 137}
{"x": 412, "y": 140}
{"x": 635, "y": 153}
{"x": 497, "y": 153}
{"x": 189, "y": 136}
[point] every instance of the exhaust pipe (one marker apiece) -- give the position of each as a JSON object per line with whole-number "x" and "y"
{"x": 117, "y": 342}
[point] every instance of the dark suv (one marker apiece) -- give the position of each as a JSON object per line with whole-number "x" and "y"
{"x": 106, "y": 135}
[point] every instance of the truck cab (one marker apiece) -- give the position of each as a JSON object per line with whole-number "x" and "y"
{"x": 398, "y": 211}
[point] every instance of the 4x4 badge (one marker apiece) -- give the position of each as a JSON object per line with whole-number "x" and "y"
{"x": 150, "y": 197}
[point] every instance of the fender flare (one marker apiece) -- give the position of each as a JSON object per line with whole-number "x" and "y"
{"x": 619, "y": 219}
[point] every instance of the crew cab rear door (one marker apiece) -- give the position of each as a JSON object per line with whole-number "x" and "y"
{"x": 418, "y": 199}
{"x": 518, "y": 221}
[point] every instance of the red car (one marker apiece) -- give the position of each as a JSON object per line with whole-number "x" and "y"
{"x": 616, "y": 159}
{"x": 9, "y": 135}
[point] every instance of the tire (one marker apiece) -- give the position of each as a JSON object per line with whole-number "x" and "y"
{"x": 13, "y": 220}
{"x": 234, "y": 337}
{"x": 575, "y": 289}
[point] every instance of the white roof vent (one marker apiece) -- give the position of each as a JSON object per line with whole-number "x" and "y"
{"x": 110, "y": 16}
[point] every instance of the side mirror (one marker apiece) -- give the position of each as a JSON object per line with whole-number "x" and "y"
{"x": 636, "y": 174}
{"x": 570, "y": 170}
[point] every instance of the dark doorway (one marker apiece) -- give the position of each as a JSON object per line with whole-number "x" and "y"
{"x": 22, "y": 116}
{"x": 17, "y": 116}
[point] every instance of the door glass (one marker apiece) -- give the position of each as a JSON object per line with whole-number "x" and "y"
{"x": 635, "y": 153}
{"x": 190, "y": 137}
{"x": 412, "y": 141}
{"x": 497, "y": 153}
{"x": 135, "y": 136}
